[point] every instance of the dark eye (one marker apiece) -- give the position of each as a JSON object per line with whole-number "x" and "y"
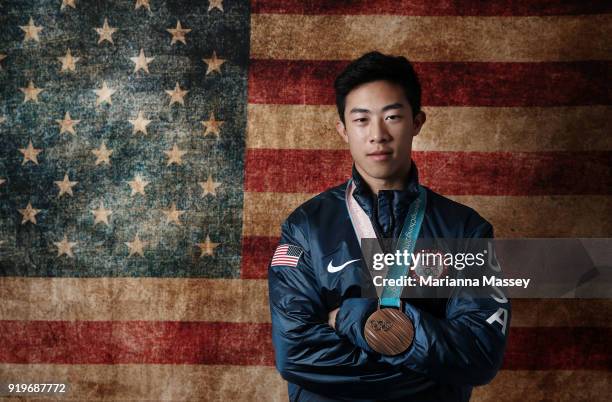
{"x": 360, "y": 120}
{"x": 394, "y": 117}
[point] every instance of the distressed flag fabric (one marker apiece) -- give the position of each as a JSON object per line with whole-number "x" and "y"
{"x": 286, "y": 255}
{"x": 130, "y": 143}
{"x": 151, "y": 149}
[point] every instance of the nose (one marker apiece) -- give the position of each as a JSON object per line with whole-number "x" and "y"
{"x": 378, "y": 131}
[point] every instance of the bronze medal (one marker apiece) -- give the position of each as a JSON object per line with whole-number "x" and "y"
{"x": 389, "y": 331}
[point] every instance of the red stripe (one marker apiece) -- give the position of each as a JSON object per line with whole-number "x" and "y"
{"x": 282, "y": 261}
{"x": 280, "y": 250}
{"x": 284, "y": 258}
{"x": 154, "y": 342}
{"x": 433, "y": 8}
{"x": 559, "y": 349}
{"x": 445, "y": 83}
{"x": 135, "y": 342}
{"x": 450, "y": 173}
{"x": 256, "y": 251}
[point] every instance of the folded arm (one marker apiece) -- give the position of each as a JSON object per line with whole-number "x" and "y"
{"x": 465, "y": 347}
{"x": 308, "y": 351}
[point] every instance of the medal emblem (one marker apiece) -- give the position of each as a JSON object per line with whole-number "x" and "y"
{"x": 389, "y": 331}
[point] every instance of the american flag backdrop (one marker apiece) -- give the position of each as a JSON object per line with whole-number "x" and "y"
{"x": 150, "y": 150}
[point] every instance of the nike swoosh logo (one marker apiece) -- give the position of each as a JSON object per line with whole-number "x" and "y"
{"x": 331, "y": 269}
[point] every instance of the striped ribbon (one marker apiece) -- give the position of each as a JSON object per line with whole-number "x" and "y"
{"x": 390, "y": 296}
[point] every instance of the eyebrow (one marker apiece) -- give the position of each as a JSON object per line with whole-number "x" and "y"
{"x": 384, "y": 109}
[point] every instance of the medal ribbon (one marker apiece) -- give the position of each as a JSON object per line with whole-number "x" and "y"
{"x": 390, "y": 296}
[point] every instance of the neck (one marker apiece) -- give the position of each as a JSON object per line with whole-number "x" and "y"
{"x": 390, "y": 183}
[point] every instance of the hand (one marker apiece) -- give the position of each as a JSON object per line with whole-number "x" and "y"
{"x": 352, "y": 318}
{"x": 331, "y": 318}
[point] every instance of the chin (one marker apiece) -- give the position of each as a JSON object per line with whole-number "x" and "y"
{"x": 380, "y": 172}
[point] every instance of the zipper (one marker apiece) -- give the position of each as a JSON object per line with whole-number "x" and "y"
{"x": 374, "y": 223}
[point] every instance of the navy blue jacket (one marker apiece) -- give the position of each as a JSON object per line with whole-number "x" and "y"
{"x": 454, "y": 348}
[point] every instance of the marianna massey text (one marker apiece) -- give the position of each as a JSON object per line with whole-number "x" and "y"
{"x": 406, "y": 280}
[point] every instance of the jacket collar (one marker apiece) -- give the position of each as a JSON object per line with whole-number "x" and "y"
{"x": 388, "y": 209}
{"x": 406, "y": 195}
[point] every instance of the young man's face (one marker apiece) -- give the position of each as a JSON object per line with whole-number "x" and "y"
{"x": 379, "y": 127}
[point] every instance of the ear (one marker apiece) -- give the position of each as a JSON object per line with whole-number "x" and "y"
{"x": 342, "y": 130}
{"x": 418, "y": 122}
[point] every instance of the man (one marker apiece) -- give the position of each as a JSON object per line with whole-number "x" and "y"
{"x": 316, "y": 276}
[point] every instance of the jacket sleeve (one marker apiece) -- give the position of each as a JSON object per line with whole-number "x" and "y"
{"x": 308, "y": 352}
{"x": 467, "y": 346}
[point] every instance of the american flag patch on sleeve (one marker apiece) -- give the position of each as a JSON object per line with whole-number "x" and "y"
{"x": 286, "y": 255}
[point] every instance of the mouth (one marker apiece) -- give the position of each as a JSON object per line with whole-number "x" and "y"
{"x": 380, "y": 155}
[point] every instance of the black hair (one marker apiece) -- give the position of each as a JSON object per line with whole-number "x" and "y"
{"x": 374, "y": 66}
